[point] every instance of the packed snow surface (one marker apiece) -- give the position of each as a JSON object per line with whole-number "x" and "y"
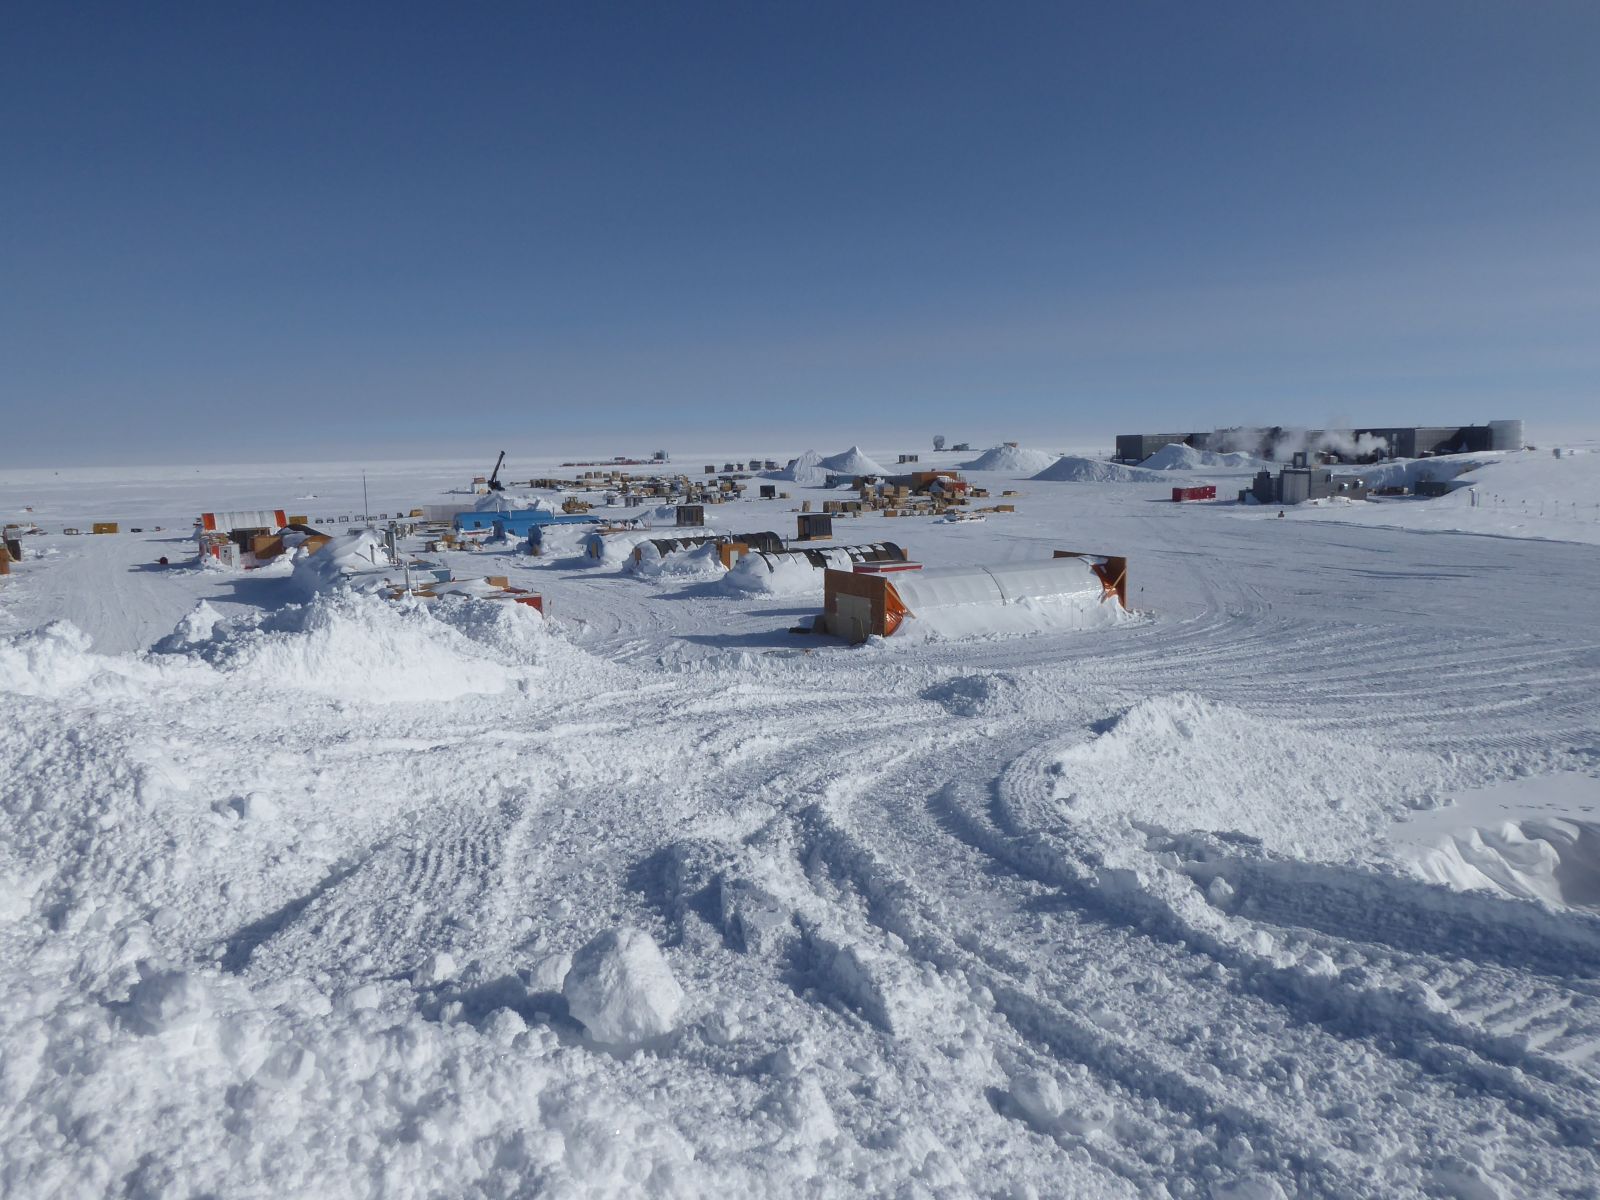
{"x": 1013, "y": 460}
{"x": 1283, "y": 884}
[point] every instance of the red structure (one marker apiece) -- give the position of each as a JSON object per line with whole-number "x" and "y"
{"x": 1204, "y": 492}
{"x": 884, "y": 568}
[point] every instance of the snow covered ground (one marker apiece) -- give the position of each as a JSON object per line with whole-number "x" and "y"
{"x": 338, "y": 897}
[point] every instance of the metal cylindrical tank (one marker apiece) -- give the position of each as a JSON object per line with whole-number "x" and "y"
{"x": 1505, "y": 435}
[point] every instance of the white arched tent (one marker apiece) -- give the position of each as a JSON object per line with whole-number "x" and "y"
{"x": 1069, "y": 591}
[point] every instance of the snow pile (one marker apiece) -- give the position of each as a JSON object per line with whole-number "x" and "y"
{"x": 812, "y": 469}
{"x": 1177, "y": 456}
{"x": 507, "y": 502}
{"x": 1013, "y": 460}
{"x": 347, "y": 557}
{"x": 697, "y": 562}
{"x": 45, "y": 662}
{"x": 612, "y": 549}
{"x": 852, "y": 462}
{"x": 1408, "y": 472}
{"x": 56, "y": 660}
{"x": 357, "y": 647}
{"x": 515, "y": 633}
{"x": 807, "y": 469}
{"x": 621, "y": 989}
{"x": 202, "y": 1083}
{"x": 785, "y": 575}
{"x": 949, "y": 603}
{"x": 1075, "y": 611}
{"x": 1183, "y": 762}
{"x": 1070, "y": 469}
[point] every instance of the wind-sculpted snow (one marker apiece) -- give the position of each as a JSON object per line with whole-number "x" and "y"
{"x": 1556, "y": 860}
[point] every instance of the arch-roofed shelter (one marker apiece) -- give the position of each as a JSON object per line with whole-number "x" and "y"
{"x": 1069, "y": 591}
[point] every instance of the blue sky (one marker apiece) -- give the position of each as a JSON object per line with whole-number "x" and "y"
{"x": 233, "y": 232}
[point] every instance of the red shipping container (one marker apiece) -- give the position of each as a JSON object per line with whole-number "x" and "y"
{"x": 1203, "y": 492}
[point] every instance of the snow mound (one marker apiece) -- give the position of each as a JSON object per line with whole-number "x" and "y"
{"x": 56, "y": 660}
{"x": 701, "y": 562}
{"x": 753, "y": 575}
{"x": 506, "y": 502}
{"x": 807, "y": 469}
{"x": 1186, "y": 763}
{"x": 337, "y": 562}
{"x": 811, "y": 468}
{"x": 852, "y": 462}
{"x": 1016, "y": 460}
{"x": 1070, "y": 469}
{"x": 45, "y": 662}
{"x": 612, "y": 549}
{"x": 621, "y": 989}
{"x": 516, "y": 633}
{"x": 1408, "y": 472}
{"x": 356, "y": 647}
{"x": 197, "y": 626}
{"x": 1179, "y": 457}
{"x": 1074, "y": 612}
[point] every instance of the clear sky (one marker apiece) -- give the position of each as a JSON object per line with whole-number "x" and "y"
{"x": 236, "y": 231}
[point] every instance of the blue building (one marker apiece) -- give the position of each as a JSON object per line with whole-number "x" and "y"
{"x": 518, "y": 521}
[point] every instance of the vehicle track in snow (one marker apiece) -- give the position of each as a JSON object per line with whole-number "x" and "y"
{"x": 1033, "y": 961}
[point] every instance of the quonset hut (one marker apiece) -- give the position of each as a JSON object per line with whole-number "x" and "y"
{"x": 1069, "y": 591}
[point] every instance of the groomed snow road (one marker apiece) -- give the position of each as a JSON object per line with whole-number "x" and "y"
{"x": 288, "y": 905}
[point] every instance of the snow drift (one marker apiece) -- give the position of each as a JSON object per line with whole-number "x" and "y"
{"x": 1177, "y": 456}
{"x": 1408, "y": 472}
{"x": 1553, "y": 860}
